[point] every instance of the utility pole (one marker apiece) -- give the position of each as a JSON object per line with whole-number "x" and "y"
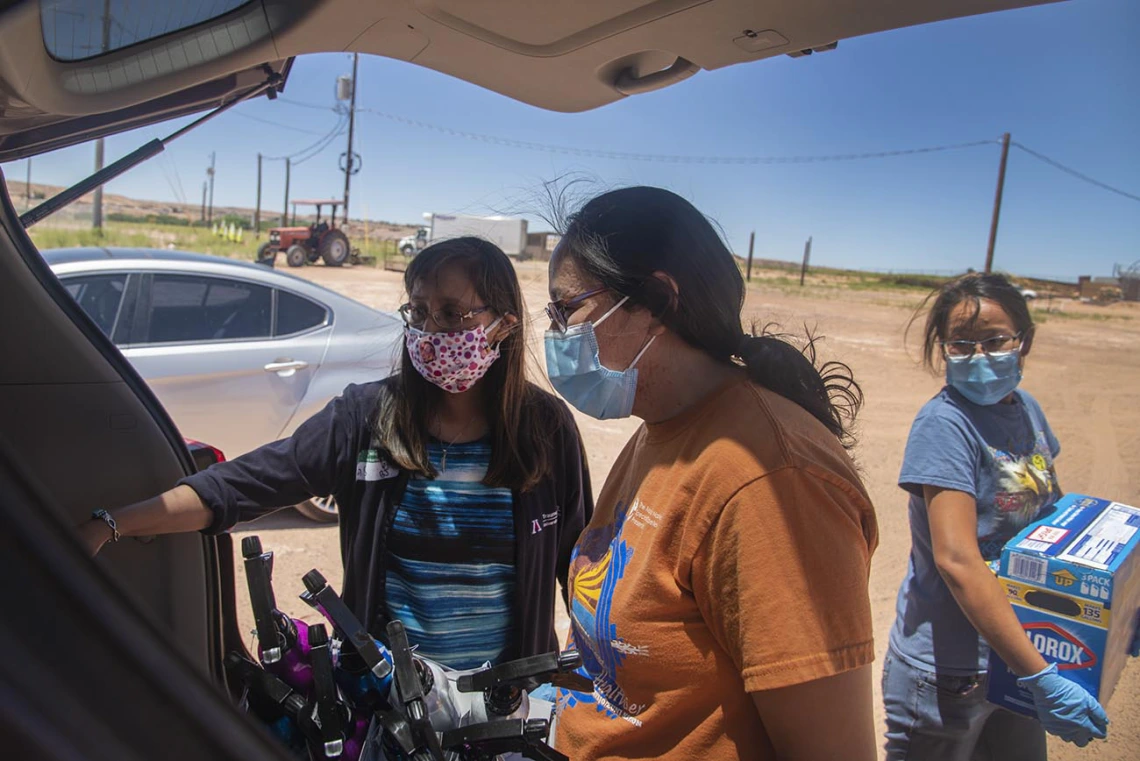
{"x": 997, "y": 203}
{"x": 807, "y": 257}
{"x": 97, "y": 206}
{"x": 257, "y": 209}
{"x": 210, "y": 175}
{"x": 28, "y": 187}
{"x": 351, "y": 125}
{"x": 285, "y": 208}
{"x": 751, "y": 243}
{"x": 203, "y": 203}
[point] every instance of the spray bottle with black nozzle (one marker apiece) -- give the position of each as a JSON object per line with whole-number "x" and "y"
{"x": 365, "y": 667}
{"x": 416, "y": 689}
{"x": 283, "y": 645}
{"x": 284, "y": 710}
{"x": 332, "y": 715}
{"x": 415, "y": 699}
{"x": 509, "y": 728}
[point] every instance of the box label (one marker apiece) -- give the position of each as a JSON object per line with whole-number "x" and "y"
{"x": 1027, "y": 568}
{"x": 1060, "y": 646}
{"x": 1102, "y": 542}
{"x": 1072, "y": 608}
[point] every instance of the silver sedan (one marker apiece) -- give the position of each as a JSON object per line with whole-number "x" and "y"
{"x": 238, "y": 354}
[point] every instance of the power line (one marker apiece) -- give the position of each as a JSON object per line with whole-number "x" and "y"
{"x": 313, "y": 106}
{"x": 177, "y": 177}
{"x": 278, "y": 125}
{"x": 322, "y": 145}
{"x": 689, "y": 159}
{"x": 1075, "y": 173}
{"x": 316, "y": 147}
{"x": 668, "y": 158}
{"x": 170, "y": 182}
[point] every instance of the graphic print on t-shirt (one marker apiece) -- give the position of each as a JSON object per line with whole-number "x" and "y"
{"x": 1024, "y": 483}
{"x": 598, "y": 564}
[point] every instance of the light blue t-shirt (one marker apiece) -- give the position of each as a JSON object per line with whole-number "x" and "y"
{"x": 1002, "y": 455}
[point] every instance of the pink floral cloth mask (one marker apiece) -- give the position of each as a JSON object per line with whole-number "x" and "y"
{"x": 453, "y": 361}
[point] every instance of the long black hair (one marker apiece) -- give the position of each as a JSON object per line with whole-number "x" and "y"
{"x": 971, "y": 288}
{"x": 518, "y": 413}
{"x": 621, "y": 238}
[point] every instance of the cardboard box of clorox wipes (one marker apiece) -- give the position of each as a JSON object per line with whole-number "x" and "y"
{"x": 1074, "y": 580}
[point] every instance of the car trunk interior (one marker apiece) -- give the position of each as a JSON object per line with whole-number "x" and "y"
{"x": 92, "y": 436}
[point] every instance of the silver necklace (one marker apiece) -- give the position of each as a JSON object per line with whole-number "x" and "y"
{"x": 443, "y": 459}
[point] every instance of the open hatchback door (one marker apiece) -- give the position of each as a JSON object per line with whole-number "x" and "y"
{"x": 121, "y": 657}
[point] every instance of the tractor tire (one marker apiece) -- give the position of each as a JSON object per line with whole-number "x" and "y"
{"x": 319, "y": 509}
{"x": 297, "y": 255}
{"x": 266, "y": 255}
{"x": 334, "y": 248}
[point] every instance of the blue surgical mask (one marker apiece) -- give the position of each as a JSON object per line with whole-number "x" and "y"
{"x": 577, "y": 373}
{"x": 985, "y": 379}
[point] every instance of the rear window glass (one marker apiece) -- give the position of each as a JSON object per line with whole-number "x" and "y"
{"x": 295, "y": 314}
{"x": 78, "y": 29}
{"x": 99, "y": 296}
{"x": 195, "y": 309}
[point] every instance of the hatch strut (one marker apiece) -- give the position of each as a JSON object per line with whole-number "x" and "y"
{"x": 133, "y": 159}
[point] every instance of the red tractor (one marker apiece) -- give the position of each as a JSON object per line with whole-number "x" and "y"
{"x": 305, "y": 245}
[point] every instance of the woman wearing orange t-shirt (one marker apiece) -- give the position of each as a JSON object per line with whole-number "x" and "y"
{"x": 719, "y": 594}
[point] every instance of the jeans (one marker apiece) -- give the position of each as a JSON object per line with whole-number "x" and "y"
{"x": 942, "y": 717}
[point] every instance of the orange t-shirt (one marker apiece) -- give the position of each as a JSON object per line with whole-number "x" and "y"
{"x": 729, "y": 553}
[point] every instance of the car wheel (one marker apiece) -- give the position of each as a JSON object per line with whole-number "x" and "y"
{"x": 319, "y": 509}
{"x": 407, "y": 250}
{"x": 296, "y": 255}
{"x": 334, "y": 248}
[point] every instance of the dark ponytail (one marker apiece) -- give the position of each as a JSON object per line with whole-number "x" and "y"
{"x": 829, "y": 392}
{"x": 621, "y": 238}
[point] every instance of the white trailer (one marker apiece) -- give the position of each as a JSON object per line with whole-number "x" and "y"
{"x": 508, "y": 233}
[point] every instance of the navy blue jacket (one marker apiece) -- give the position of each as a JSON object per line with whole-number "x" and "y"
{"x": 335, "y": 452}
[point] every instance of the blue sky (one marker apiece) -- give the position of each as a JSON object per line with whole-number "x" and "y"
{"x": 1064, "y": 79}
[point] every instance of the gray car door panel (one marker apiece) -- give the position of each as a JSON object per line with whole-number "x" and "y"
{"x": 209, "y": 381}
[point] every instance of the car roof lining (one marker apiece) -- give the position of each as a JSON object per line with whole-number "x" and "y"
{"x": 564, "y": 57}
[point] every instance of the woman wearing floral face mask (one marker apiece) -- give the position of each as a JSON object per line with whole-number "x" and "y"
{"x": 461, "y": 486}
{"x": 719, "y": 595}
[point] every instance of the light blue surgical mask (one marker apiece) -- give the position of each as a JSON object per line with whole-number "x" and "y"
{"x": 577, "y": 373}
{"x": 985, "y": 379}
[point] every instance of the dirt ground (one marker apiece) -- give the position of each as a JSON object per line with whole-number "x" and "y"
{"x": 1084, "y": 369}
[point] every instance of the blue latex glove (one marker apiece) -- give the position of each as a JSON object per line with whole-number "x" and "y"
{"x": 1065, "y": 708}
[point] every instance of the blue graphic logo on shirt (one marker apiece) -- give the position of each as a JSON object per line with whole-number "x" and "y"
{"x": 599, "y": 562}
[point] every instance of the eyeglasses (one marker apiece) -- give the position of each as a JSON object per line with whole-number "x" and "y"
{"x": 448, "y": 318}
{"x": 559, "y": 311}
{"x": 991, "y": 345}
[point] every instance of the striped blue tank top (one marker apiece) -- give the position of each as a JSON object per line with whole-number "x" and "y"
{"x": 451, "y": 567}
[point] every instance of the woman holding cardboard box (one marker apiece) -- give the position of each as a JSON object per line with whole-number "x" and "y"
{"x": 979, "y": 468}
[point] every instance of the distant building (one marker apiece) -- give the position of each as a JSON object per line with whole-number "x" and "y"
{"x": 541, "y": 245}
{"x": 1091, "y": 287}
